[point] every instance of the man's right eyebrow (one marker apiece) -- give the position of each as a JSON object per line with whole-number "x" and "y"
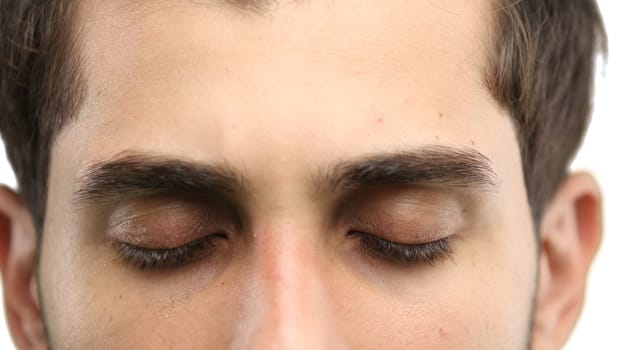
{"x": 138, "y": 174}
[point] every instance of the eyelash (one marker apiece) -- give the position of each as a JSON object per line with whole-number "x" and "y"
{"x": 377, "y": 247}
{"x": 147, "y": 258}
{"x": 404, "y": 254}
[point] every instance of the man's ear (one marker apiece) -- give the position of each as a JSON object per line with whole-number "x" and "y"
{"x": 17, "y": 261}
{"x": 570, "y": 233}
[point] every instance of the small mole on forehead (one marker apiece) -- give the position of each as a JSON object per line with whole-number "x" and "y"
{"x": 441, "y": 332}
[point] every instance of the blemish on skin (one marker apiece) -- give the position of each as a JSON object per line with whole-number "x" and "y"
{"x": 440, "y": 115}
{"x": 377, "y": 115}
{"x": 472, "y": 143}
{"x": 437, "y": 138}
{"x": 441, "y": 332}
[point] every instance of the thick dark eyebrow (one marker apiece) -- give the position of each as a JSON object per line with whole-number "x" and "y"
{"x": 441, "y": 166}
{"x": 137, "y": 174}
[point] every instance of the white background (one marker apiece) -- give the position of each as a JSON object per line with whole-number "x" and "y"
{"x": 601, "y": 323}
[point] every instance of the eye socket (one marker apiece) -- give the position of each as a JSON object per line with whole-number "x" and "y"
{"x": 404, "y": 254}
{"x": 166, "y": 258}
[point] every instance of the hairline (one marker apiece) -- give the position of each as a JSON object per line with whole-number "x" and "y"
{"x": 76, "y": 56}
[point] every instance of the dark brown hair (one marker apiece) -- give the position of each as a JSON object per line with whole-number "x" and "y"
{"x": 541, "y": 68}
{"x": 40, "y": 87}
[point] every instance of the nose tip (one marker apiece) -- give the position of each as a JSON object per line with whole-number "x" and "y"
{"x": 290, "y": 307}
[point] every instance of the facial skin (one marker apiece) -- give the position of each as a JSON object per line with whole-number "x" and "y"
{"x": 268, "y": 129}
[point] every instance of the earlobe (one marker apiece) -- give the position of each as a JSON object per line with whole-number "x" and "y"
{"x": 18, "y": 264}
{"x": 570, "y": 234}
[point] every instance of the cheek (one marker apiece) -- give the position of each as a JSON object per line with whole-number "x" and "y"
{"x": 63, "y": 288}
{"x": 495, "y": 289}
{"x": 480, "y": 300}
{"x": 91, "y": 304}
{"x": 481, "y": 319}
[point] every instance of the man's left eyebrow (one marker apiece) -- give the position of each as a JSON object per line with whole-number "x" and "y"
{"x": 137, "y": 174}
{"x": 442, "y": 166}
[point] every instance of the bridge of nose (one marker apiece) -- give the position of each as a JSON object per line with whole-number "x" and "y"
{"x": 289, "y": 304}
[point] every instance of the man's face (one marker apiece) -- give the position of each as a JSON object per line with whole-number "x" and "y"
{"x": 329, "y": 174}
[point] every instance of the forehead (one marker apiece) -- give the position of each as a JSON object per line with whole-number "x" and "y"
{"x": 212, "y": 76}
{"x": 337, "y": 24}
{"x": 432, "y": 42}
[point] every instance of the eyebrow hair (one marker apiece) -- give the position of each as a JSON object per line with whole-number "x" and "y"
{"x": 138, "y": 174}
{"x": 433, "y": 165}
{"x": 130, "y": 174}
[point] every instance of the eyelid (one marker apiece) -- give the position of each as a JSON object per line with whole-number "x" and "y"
{"x": 405, "y": 254}
{"x": 162, "y": 223}
{"x": 149, "y": 258}
{"x": 398, "y": 212}
{"x": 407, "y": 232}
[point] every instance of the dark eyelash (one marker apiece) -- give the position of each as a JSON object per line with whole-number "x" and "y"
{"x": 404, "y": 254}
{"x": 147, "y": 258}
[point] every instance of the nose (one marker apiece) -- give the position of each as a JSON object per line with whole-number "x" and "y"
{"x": 289, "y": 306}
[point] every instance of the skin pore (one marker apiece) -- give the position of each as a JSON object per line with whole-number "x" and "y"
{"x": 323, "y": 175}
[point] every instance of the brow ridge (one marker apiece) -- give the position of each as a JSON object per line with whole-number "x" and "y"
{"x": 135, "y": 174}
{"x": 465, "y": 168}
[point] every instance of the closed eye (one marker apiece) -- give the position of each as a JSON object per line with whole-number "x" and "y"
{"x": 205, "y": 247}
{"x": 404, "y": 254}
{"x": 149, "y": 258}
